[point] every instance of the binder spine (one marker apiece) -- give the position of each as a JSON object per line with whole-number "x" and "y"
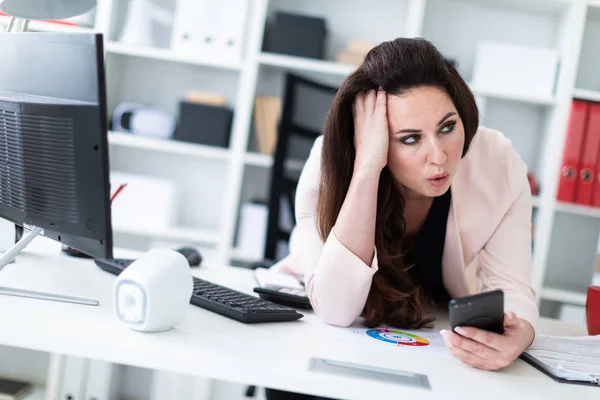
{"x": 572, "y": 151}
{"x": 594, "y": 128}
{"x": 589, "y": 157}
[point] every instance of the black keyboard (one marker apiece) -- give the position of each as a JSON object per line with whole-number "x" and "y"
{"x": 220, "y": 299}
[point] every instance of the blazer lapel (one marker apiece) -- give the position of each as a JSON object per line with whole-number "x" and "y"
{"x": 453, "y": 264}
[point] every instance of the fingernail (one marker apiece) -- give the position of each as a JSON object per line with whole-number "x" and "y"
{"x": 444, "y": 333}
{"x": 461, "y": 331}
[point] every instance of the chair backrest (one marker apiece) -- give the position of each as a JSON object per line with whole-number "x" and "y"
{"x": 305, "y": 107}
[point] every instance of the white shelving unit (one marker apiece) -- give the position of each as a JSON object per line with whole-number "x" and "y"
{"x": 216, "y": 181}
{"x": 167, "y": 146}
{"x": 43, "y": 26}
{"x": 584, "y": 94}
{"x": 564, "y": 296}
{"x": 548, "y": 101}
{"x": 300, "y": 64}
{"x": 38, "y": 393}
{"x": 167, "y": 55}
{"x": 175, "y": 234}
{"x": 220, "y": 179}
{"x": 576, "y": 209}
{"x": 266, "y": 161}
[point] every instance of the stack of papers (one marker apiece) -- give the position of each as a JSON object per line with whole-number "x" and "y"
{"x": 567, "y": 358}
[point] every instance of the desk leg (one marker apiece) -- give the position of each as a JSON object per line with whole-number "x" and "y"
{"x": 55, "y": 376}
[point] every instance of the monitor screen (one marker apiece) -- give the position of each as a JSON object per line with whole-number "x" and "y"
{"x": 54, "y": 171}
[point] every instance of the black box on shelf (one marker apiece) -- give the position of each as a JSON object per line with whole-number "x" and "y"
{"x": 297, "y": 35}
{"x": 204, "y": 124}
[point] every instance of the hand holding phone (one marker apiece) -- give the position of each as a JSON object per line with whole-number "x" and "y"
{"x": 483, "y": 311}
{"x": 471, "y": 344}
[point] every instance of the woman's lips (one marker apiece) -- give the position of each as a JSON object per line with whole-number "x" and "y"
{"x": 438, "y": 180}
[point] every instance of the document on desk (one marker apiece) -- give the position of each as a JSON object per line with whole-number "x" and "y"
{"x": 567, "y": 358}
{"x": 384, "y": 337}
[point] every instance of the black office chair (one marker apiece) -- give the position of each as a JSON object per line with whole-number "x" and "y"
{"x": 305, "y": 107}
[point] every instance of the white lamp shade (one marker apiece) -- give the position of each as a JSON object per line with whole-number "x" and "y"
{"x": 46, "y": 9}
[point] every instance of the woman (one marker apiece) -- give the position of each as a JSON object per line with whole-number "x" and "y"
{"x": 405, "y": 202}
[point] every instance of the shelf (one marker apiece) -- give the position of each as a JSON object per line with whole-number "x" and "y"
{"x": 542, "y": 100}
{"x": 571, "y": 208}
{"x": 168, "y": 55}
{"x": 45, "y": 26}
{"x": 584, "y": 94}
{"x": 564, "y": 296}
{"x": 266, "y": 161}
{"x": 173, "y": 233}
{"x": 167, "y": 146}
{"x": 530, "y": 6}
{"x": 38, "y": 393}
{"x": 305, "y": 64}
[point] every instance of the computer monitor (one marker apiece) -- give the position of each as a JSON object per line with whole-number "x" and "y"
{"x": 54, "y": 172}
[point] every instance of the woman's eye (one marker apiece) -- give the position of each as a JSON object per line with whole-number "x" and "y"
{"x": 448, "y": 127}
{"x": 409, "y": 139}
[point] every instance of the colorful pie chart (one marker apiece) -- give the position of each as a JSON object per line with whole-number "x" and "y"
{"x": 398, "y": 338}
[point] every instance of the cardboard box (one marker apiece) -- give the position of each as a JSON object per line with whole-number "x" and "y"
{"x": 359, "y": 47}
{"x": 202, "y": 97}
{"x": 346, "y": 57}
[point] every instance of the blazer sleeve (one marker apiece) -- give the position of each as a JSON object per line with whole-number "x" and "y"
{"x": 505, "y": 260}
{"x": 337, "y": 281}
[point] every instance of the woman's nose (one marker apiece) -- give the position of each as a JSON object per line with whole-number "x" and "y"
{"x": 437, "y": 154}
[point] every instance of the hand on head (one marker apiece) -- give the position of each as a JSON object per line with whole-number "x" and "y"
{"x": 371, "y": 132}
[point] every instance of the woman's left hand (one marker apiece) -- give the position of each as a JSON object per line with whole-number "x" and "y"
{"x": 487, "y": 350}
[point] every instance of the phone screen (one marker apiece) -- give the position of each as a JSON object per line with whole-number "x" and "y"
{"x": 483, "y": 311}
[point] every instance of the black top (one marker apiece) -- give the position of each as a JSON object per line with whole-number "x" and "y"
{"x": 426, "y": 254}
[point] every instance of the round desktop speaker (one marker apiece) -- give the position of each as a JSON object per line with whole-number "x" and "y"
{"x": 153, "y": 293}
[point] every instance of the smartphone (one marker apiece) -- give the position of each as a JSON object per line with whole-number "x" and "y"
{"x": 483, "y": 311}
{"x": 14, "y": 389}
{"x": 286, "y": 296}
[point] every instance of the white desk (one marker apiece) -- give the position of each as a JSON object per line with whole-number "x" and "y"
{"x": 209, "y": 345}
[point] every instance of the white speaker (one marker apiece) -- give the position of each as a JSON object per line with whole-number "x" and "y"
{"x": 153, "y": 293}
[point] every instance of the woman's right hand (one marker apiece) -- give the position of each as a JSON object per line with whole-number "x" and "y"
{"x": 371, "y": 132}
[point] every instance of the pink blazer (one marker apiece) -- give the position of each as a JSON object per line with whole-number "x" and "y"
{"x": 488, "y": 237}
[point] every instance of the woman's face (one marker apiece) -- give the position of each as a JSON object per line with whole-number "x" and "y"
{"x": 426, "y": 141}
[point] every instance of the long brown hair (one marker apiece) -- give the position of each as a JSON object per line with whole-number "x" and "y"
{"x": 396, "y": 66}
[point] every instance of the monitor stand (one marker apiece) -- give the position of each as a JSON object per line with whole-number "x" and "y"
{"x": 9, "y": 256}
